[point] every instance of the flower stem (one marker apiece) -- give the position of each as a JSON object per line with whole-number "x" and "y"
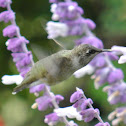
{"x": 56, "y": 105}
{"x": 97, "y": 114}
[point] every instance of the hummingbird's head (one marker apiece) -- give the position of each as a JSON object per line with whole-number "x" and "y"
{"x": 86, "y": 53}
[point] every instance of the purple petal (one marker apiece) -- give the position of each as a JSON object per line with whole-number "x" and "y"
{"x": 80, "y": 10}
{"x": 75, "y": 12}
{"x": 98, "y": 61}
{"x": 10, "y": 31}
{"x": 17, "y": 49}
{"x": 65, "y": 12}
{"x": 19, "y": 56}
{"x": 94, "y": 41}
{"x": 90, "y": 23}
{"x": 115, "y": 100}
{"x": 123, "y": 97}
{"x": 86, "y": 103}
{"x": 102, "y": 124}
{"x": 75, "y": 26}
{"x": 78, "y": 103}
{"x": 120, "y": 97}
{"x": 7, "y": 16}
{"x": 23, "y": 71}
{"x": 88, "y": 119}
{"x": 37, "y": 88}
{"x": 14, "y": 44}
{"x": 76, "y": 96}
{"x": 53, "y": 1}
{"x": 52, "y": 118}
{"x": 88, "y": 114}
{"x": 113, "y": 56}
{"x": 43, "y": 102}
{"x": 59, "y": 98}
{"x": 102, "y": 75}
{"x": 115, "y": 76}
{"x": 3, "y": 3}
{"x": 120, "y": 109}
{"x": 24, "y": 62}
{"x": 82, "y": 104}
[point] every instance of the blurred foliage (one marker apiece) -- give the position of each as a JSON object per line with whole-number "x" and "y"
{"x": 110, "y": 18}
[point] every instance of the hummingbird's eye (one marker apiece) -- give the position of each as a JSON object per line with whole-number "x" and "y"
{"x": 90, "y": 51}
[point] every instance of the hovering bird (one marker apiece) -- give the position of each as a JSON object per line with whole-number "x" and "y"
{"x": 59, "y": 66}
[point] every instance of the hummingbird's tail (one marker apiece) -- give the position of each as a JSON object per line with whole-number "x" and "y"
{"x": 25, "y": 83}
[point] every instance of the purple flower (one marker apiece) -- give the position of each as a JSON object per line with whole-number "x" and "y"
{"x": 90, "y": 23}
{"x": 78, "y": 104}
{"x": 14, "y": 44}
{"x": 89, "y": 114}
{"x": 76, "y": 96}
{"x": 53, "y": 1}
{"x": 101, "y": 76}
{"x": 19, "y": 56}
{"x": 24, "y": 62}
{"x": 112, "y": 56}
{"x": 59, "y": 98}
{"x": 82, "y": 104}
{"x": 7, "y": 16}
{"x": 37, "y": 88}
{"x": 94, "y": 41}
{"x": 76, "y": 27}
{"x": 117, "y": 93}
{"x": 102, "y": 124}
{"x": 43, "y": 102}
{"x": 52, "y": 119}
{"x": 120, "y": 109}
{"x": 86, "y": 103}
{"x": 99, "y": 61}
{"x": 115, "y": 75}
{"x": 121, "y": 113}
{"x": 68, "y": 10}
{"x": 22, "y": 59}
{"x": 117, "y": 116}
{"x": 24, "y": 70}
{"x": 3, "y": 3}
{"x": 10, "y": 31}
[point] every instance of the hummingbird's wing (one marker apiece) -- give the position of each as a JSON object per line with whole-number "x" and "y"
{"x": 41, "y": 50}
{"x": 32, "y": 78}
{"x": 67, "y": 42}
{"x": 25, "y": 83}
{"x": 43, "y": 24}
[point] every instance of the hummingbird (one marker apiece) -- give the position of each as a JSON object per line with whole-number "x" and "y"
{"x": 59, "y": 66}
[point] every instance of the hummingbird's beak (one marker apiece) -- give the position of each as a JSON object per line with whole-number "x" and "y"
{"x": 106, "y": 50}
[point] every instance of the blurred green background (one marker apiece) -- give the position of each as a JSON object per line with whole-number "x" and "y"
{"x": 110, "y": 17}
